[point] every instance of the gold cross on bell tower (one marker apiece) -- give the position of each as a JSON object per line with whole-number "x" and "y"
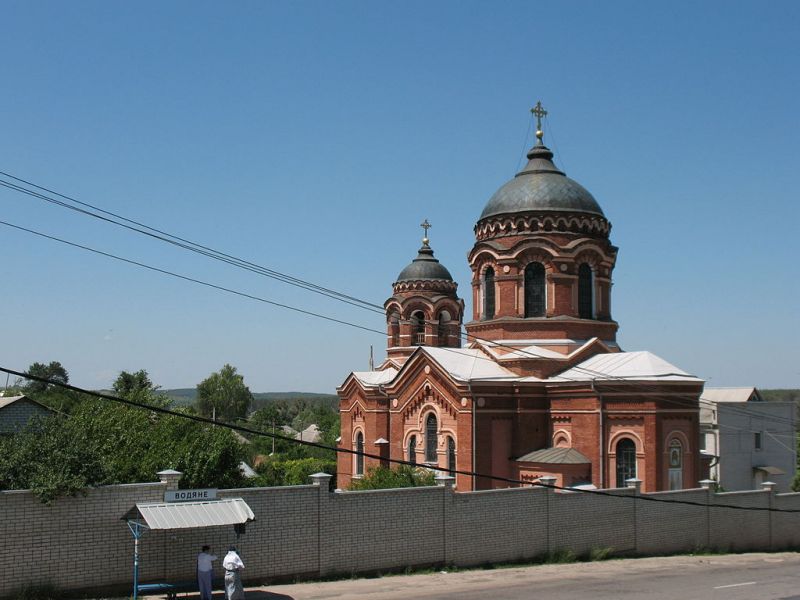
{"x": 538, "y": 111}
{"x": 425, "y": 225}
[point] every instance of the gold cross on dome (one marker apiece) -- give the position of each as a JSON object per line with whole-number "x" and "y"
{"x": 539, "y": 112}
{"x": 425, "y": 225}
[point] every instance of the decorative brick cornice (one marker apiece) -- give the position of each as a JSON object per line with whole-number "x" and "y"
{"x": 503, "y": 225}
{"x": 425, "y": 285}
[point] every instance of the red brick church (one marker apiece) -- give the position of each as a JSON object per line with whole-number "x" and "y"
{"x": 538, "y": 386}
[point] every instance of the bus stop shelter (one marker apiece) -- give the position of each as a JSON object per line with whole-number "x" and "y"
{"x": 183, "y": 515}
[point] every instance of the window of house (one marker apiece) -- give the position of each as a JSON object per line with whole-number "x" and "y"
{"x": 412, "y": 449}
{"x": 431, "y": 440}
{"x": 626, "y": 461}
{"x": 451, "y": 455}
{"x": 757, "y": 440}
{"x": 535, "y": 298}
{"x": 360, "y": 455}
{"x": 488, "y": 293}
{"x": 585, "y": 292}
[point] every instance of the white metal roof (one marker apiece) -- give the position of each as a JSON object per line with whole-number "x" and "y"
{"x": 185, "y": 515}
{"x": 741, "y": 394}
{"x": 468, "y": 364}
{"x": 634, "y": 366}
{"x": 375, "y": 377}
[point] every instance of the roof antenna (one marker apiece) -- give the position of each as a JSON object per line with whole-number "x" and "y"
{"x": 371, "y": 360}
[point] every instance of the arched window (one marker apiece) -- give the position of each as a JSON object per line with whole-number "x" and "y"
{"x": 412, "y": 449}
{"x": 443, "y": 329}
{"x": 360, "y": 456}
{"x": 585, "y": 292}
{"x": 418, "y": 328}
{"x": 431, "y": 441}
{"x": 626, "y": 461}
{"x": 488, "y": 293}
{"x": 451, "y": 455}
{"x": 675, "y": 465}
{"x": 535, "y": 298}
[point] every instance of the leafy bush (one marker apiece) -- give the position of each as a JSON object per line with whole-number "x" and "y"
{"x": 379, "y": 478}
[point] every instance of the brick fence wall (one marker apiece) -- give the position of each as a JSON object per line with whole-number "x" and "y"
{"x": 82, "y": 543}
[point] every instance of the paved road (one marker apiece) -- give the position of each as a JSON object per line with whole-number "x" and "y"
{"x": 729, "y": 577}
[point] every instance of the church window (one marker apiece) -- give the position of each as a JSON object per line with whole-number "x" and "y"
{"x": 585, "y": 292}
{"x": 675, "y": 465}
{"x": 360, "y": 455}
{"x": 431, "y": 439}
{"x": 412, "y": 450}
{"x": 488, "y": 293}
{"x": 451, "y": 455}
{"x": 418, "y": 328}
{"x": 535, "y": 296}
{"x": 626, "y": 461}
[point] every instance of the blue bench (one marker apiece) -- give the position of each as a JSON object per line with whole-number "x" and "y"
{"x": 147, "y": 589}
{"x": 173, "y": 589}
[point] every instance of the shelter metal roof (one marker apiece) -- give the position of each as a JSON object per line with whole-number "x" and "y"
{"x": 185, "y": 515}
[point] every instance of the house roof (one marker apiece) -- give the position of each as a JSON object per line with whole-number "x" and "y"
{"x": 10, "y": 400}
{"x": 631, "y": 366}
{"x": 740, "y": 394}
{"x": 556, "y": 456}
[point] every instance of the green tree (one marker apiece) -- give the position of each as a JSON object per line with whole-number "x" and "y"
{"x": 53, "y": 371}
{"x": 105, "y": 443}
{"x": 138, "y": 388}
{"x": 224, "y": 395}
{"x": 378, "y": 478}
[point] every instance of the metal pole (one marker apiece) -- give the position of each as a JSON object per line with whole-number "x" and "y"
{"x": 135, "y": 565}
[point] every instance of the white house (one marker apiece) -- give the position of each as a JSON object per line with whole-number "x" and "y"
{"x": 751, "y": 441}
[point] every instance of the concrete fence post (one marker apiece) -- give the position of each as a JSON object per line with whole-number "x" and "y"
{"x": 769, "y": 488}
{"x": 170, "y": 478}
{"x": 547, "y": 482}
{"x": 446, "y": 482}
{"x": 323, "y": 482}
{"x": 636, "y": 485}
{"x": 711, "y": 488}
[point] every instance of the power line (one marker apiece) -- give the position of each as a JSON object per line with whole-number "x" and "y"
{"x": 258, "y": 432}
{"x": 191, "y": 279}
{"x": 183, "y": 243}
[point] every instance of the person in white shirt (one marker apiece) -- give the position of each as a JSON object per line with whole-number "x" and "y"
{"x": 233, "y": 566}
{"x": 205, "y": 570}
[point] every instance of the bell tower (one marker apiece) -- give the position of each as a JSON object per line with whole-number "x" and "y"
{"x": 424, "y": 309}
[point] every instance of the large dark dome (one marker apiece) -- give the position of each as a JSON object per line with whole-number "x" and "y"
{"x": 425, "y": 266}
{"x": 540, "y": 186}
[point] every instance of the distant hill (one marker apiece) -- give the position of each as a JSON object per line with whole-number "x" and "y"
{"x": 187, "y": 396}
{"x": 781, "y": 395}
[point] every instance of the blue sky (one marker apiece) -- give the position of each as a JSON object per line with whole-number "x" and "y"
{"x": 314, "y": 137}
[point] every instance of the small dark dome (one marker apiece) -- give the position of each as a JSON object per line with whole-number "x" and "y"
{"x": 425, "y": 266}
{"x": 540, "y": 186}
